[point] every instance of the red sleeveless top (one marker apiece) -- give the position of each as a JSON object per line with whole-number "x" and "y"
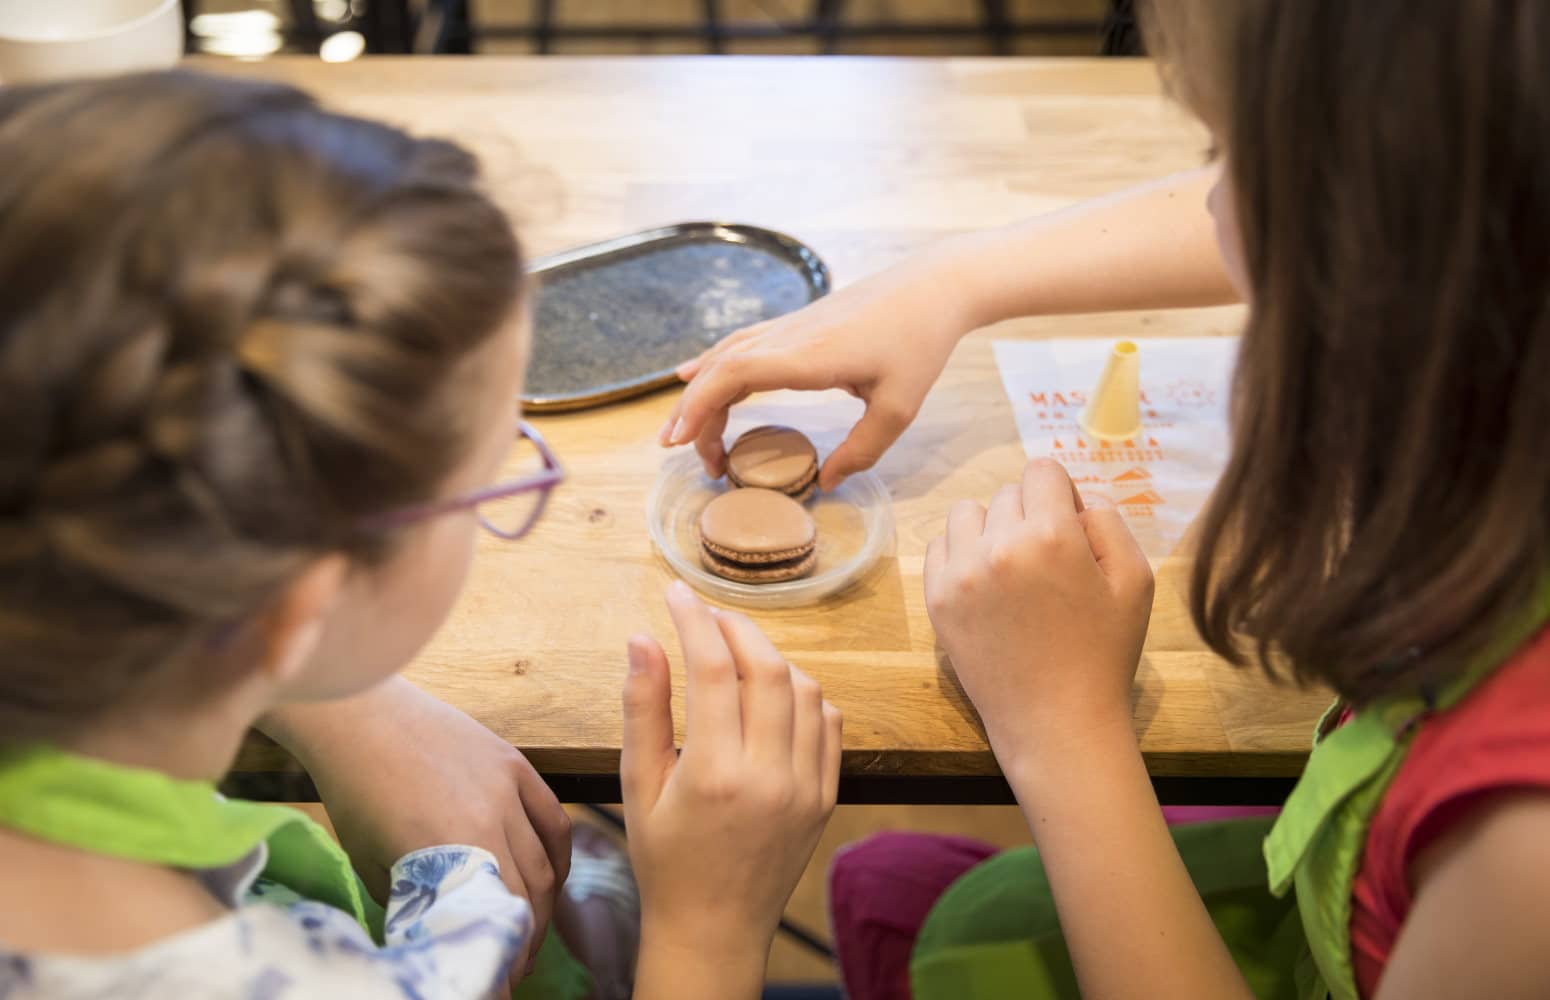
{"x": 1496, "y": 739}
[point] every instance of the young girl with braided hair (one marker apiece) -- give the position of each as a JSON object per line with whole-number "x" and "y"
{"x": 258, "y": 369}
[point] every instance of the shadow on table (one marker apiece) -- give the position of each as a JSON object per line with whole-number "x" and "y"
{"x": 927, "y": 454}
{"x": 1143, "y": 708}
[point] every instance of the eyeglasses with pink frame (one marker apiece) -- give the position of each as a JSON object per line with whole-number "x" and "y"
{"x": 543, "y": 482}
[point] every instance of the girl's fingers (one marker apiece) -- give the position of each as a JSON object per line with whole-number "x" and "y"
{"x": 767, "y": 699}
{"x": 807, "y": 728}
{"x": 734, "y": 376}
{"x": 544, "y": 813}
{"x": 689, "y": 369}
{"x": 965, "y": 525}
{"x": 1006, "y": 508}
{"x": 711, "y": 447}
{"x": 833, "y": 744}
{"x": 1118, "y": 553}
{"x": 1047, "y": 488}
{"x": 665, "y": 434}
{"x": 533, "y": 879}
{"x": 647, "y": 756}
{"x": 513, "y": 882}
{"x": 1049, "y": 498}
{"x": 878, "y": 428}
{"x": 712, "y": 712}
{"x": 936, "y": 563}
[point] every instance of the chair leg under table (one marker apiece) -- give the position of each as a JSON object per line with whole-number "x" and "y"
{"x": 826, "y": 18}
{"x": 543, "y": 30}
{"x": 998, "y": 25}
{"x": 714, "y": 39}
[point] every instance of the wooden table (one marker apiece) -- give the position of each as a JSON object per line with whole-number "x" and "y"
{"x": 864, "y": 159}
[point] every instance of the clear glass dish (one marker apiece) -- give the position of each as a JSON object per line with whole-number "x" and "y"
{"x": 855, "y": 529}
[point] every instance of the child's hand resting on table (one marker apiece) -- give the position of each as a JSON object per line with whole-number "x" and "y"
{"x": 884, "y": 341}
{"x": 1042, "y": 606}
{"x": 719, "y": 835}
{"x": 399, "y": 770}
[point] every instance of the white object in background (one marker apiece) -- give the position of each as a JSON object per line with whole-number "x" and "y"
{"x": 1113, "y": 410}
{"x": 42, "y": 40}
{"x": 1158, "y": 479}
{"x": 342, "y": 46}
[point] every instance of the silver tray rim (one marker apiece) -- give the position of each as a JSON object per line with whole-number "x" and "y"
{"x": 794, "y": 250}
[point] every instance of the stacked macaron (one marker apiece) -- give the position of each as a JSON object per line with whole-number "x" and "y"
{"x": 759, "y": 532}
{"x": 774, "y": 458}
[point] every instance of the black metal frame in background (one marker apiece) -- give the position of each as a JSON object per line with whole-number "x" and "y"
{"x": 825, "y": 22}
{"x": 877, "y": 789}
{"x": 448, "y": 27}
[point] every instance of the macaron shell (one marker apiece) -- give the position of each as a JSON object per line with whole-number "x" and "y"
{"x": 754, "y": 558}
{"x": 774, "y": 458}
{"x": 774, "y": 573}
{"x": 756, "y": 522}
{"x": 801, "y": 491}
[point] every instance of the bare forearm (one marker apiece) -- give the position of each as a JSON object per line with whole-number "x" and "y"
{"x": 307, "y": 728}
{"x": 1133, "y": 922}
{"x": 1146, "y": 247}
{"x": 672, "y": 970}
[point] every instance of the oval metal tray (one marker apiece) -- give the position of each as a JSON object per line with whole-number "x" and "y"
{"x": 613, "y": 319}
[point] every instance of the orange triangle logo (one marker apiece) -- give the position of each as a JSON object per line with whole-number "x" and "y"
{"x": 1143, "y": 499}
{"x": 1058, "y": 445}
{"x": 1135, "y": 475}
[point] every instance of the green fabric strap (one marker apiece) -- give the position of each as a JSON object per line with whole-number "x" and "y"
{"x": 144, "y": 815}
{"x": 1316, "y": 844}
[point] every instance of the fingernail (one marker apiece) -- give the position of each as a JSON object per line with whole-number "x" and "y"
{"x": 682, "y": 371}
{"x": 678, "y": 431}
{"x": 667, "y": 425}
{"x": 678, "y": 589}
{"x": 637, "y": 656}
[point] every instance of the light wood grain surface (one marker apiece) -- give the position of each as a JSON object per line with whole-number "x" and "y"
{"x": 864, "y": 160}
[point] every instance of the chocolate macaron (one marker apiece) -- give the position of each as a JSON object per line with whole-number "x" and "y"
{"x": 757, "y": 536}
{"x": 774, "y": 458}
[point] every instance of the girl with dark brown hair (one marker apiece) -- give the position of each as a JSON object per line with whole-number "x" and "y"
{"x": 258, "y": 365}
{"x": 1382, "y": 527}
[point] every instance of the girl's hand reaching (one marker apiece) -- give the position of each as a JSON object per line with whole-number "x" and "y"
{"x": 884, "y": 341}
{"x": 720, "y": 834}
{"x": 1042, "y": 606}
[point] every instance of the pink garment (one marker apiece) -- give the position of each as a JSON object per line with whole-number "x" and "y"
{"x": 881, "y": 889}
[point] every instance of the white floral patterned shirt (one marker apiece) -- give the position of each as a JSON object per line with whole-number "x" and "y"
{"x": 452, "y": 932}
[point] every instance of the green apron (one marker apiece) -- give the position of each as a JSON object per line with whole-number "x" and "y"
{"x": 147, "y": 816}
{"x": 994, "y": 933}
{"x": 1316, "y": 846}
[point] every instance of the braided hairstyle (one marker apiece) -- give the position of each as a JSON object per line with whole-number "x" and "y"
{"x": 232, "y": 325}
